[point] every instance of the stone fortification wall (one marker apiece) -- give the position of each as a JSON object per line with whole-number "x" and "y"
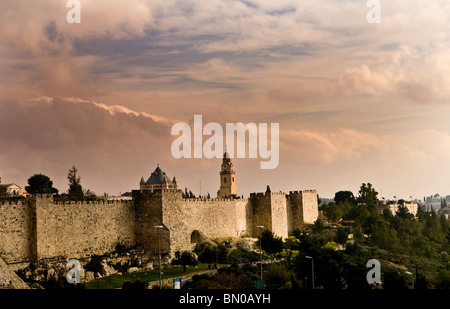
{"x": 303, "y": 208}
{"x": 213, "y": 217}
{"x": 279, "y": 214}
{"x": 17, "y": 230}
{"x": 270, "y": 210}
{"x": 148, "y": 214}
{"x": 77, "y": 229}
{"x": 261, "y": 214}
{"x": 39, "y": 227}
{"x": 310, "y": 209}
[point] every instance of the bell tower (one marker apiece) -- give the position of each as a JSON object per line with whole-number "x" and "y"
{"x": 227, "y": 178}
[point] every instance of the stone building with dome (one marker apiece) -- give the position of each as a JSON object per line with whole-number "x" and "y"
{"x": 158, "y": 180}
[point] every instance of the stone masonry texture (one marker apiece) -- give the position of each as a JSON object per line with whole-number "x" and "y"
{"x": 40, "y": 227}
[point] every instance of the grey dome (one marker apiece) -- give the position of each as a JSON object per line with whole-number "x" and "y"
{"x": 157, "y": 177}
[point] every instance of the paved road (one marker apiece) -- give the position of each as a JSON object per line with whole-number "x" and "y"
{"x": 206, "y": 272}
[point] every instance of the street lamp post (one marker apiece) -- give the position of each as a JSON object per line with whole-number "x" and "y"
{"x": 260, "y": 227}
{"x": 288, "y": 260}
{"x": 312, "y": 268}
{"x": 412, "y": 278}
{"x": 157, "y": 227}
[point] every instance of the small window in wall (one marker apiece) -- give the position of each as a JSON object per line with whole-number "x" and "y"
{"x": 225, "y": 180}
{"x": 233, "y": 179}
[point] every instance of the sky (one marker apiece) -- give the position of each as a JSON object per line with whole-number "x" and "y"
{"x": 356, "y": 102}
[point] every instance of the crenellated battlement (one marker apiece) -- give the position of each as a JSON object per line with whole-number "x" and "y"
{"x": 11, "y": 202}
{"x": 213, "y": 200}
{"x": 172, "y": 191}
{"x": 93, "y": 202}
{"x": 302, "y": 191}
{"x": 261, "y": 194}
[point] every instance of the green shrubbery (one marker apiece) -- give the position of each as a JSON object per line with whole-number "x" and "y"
{"x": 357, "y": 233}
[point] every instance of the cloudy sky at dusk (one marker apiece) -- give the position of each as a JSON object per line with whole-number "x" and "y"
{"x": 356, "y": 102}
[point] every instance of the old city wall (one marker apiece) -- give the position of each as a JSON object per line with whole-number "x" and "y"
{"x": 77, "y": 229}
{"x": 294, "y": 201}
{"x": 303, "y": 208}
{"x": 148, "y": 214}
{"x": 309, "y": 204}
{"x": 271, "y": 211}
{"x": 261, "y": 213}
{"x": 39, "y": 227}
{"x": 17, "y": 230}
{"x": 213, "y": 217}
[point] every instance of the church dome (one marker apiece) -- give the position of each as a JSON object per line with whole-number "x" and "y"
{"x": 157, "y": 177}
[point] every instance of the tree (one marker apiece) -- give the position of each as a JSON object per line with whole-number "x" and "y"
{"x": 344, "y": 196}
{"x": 270, "y": 243}
{"x": 184, "y": 259}
{"x": 40, "y": 184}
{"x": 318, "y": 226}
{"x": 443, "y": 203}
{"x": 276, "y": 276}
{"x": 206, "y": 253}
{"x": 342, "y": 235}
{"x": 393, "y": 280}
{"x": 443, "y": 279}
{"x": 367, "y": 194}
{"x": 421, "y": 281}
{"x": 334, "y": 212}
{"x": 75, "y": 188}
{"x": 187, "y": 259}
{"x": 420, "y": 215}
{"x": 403, "y": 212}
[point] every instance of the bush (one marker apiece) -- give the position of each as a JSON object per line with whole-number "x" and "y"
{"x": 443, "y": 279}
{"x": 185, "y": 259}
{"x": 207, "y": 253}
{"x": 95, "y": 265}
{"x": 276, "y": 276}
{"x": 135, "y": 285}
{"x": 393, "y": 280}
{"x": 242, "y": 256}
